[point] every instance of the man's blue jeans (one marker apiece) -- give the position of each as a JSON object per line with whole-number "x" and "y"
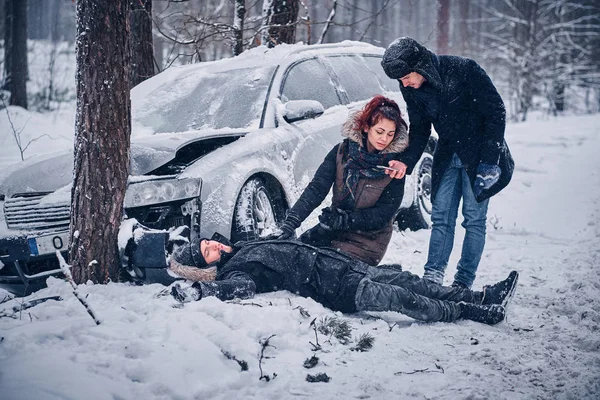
{"x": 454, "y": 186}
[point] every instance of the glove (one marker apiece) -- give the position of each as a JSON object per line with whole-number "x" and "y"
{"x": 334, "y": 219}
{"x": 487, "y": 176}
{"x": 287, "y": 230}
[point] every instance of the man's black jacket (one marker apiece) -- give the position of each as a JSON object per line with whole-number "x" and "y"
{"x": 469, "y": 118}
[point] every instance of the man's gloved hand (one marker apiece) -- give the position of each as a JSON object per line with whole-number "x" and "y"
{"x": 334, "y": 219}
{"x": 487, "y": 176}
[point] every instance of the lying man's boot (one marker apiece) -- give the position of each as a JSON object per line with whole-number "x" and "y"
{"x": 486, "y": 314}
{"x": 185, "y": 294}
{"x": 501, "y": 292}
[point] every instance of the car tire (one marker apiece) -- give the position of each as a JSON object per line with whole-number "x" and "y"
{"x": 258, "y": 211}
{"x": 418, "y": 215}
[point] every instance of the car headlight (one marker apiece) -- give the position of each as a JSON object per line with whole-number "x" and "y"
{"x": 161, "y": 191}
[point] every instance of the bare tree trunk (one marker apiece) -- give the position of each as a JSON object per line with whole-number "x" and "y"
{"x": 464, "y": 40}
{"x": 16, "y": 77}
{"x": 102, "y": 134}
{"x": 238, "y": 26}
{"x": 443, "y": 26}
{"x": 140, "y": 40}
{"x": 283, "y": 22}
{"x": 8, "y": 41}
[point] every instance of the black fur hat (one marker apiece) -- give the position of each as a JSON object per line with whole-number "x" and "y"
{"x": 403, "y": 56}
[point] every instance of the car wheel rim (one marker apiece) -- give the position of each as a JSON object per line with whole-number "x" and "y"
{"x": 424, "y": 186}
{"x": 264, "y": 216}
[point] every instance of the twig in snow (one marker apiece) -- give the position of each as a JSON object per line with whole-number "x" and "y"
{"x": 317, "y": 346}
{"x": 416, "y": 371}
{"x": 523, "y": 329}
{"x": 264, "y": 344}
{"x": 243, "y": 364}
{"x": 64, "y": 267}
{"x": 303, "y": 312}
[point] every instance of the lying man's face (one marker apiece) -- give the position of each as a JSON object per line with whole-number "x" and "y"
{"x": 211, "y": 250}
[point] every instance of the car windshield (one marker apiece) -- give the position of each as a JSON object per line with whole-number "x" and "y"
{"x": 202, "y": 100}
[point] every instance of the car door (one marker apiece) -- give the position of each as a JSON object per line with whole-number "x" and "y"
{"x": 308, "y": 79}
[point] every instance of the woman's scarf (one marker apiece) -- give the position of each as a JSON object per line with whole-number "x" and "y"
{"x": 360, "y": 163}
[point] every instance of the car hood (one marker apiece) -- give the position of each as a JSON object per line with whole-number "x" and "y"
{"x": 50, "y": 172}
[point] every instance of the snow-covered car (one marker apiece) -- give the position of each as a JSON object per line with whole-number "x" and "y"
{"x": 224, "y": 146}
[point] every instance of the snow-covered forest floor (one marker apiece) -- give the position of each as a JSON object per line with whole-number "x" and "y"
{"x": 545, "y": 224}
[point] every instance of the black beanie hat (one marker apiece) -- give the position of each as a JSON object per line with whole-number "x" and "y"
{"x": 196, "y": 253}
{"x": 403, "y": 56}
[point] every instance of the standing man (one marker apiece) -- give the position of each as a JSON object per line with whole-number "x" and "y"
{"x": 471, "y": 161}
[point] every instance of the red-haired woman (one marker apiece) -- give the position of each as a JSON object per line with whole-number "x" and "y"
{"x": 365, "y": 198}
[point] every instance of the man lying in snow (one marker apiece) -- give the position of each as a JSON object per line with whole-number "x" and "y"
{"x": 334, "y": 279}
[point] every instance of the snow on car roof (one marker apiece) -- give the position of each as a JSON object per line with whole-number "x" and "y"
{"x": 256, "y": 57}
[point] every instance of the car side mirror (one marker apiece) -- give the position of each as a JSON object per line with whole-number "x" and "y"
{"x": 297, "y": 110}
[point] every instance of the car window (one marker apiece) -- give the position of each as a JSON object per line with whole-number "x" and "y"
{"x": 309, "y": 80}
{"x": 202, "y": 100}
{"x": 374, "y": 64}
{"x": 357, "y": 80}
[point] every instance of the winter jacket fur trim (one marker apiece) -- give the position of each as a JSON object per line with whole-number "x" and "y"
{"x": 354, "y": 133}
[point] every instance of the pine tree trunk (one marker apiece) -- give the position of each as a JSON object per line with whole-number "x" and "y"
{"x": 102, "y": 134}
{"x": 142, "y": 57}
{"x": 17, "y": 77}
{"x": 283, "y": 22}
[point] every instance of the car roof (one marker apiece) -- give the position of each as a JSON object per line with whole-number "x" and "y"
{"x": 257, "y": 57}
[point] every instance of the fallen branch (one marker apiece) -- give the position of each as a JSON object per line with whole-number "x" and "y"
{"x": 64, "y": 267}
{"x": 425, "y": 371}
{"x": 33, "y": 303}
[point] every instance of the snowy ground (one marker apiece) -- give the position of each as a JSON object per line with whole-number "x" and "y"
{"x": 546, "y": 224}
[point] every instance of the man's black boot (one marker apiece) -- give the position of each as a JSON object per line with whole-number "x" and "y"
{"x": 501, "y": 292}
{"x": 486, "y": 314}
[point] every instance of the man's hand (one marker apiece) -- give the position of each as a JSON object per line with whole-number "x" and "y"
{"x": 487, "y": 176}
{"x": 396, "y": 165}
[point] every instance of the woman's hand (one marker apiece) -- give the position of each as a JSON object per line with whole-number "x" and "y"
{"x": 400, "y": 168}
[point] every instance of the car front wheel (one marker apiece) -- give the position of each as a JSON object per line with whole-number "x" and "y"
{"x": 258, "y": 211}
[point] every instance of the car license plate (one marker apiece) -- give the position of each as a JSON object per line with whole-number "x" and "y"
{"x": 49, "y": 244}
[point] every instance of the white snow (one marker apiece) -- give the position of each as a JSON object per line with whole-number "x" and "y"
{"x": 545, "y": 224}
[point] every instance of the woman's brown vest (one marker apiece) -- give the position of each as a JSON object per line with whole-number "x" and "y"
{"x": 368, "y": 246}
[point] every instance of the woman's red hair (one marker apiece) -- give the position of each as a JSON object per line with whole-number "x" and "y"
{"x": 378, "y": 107}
